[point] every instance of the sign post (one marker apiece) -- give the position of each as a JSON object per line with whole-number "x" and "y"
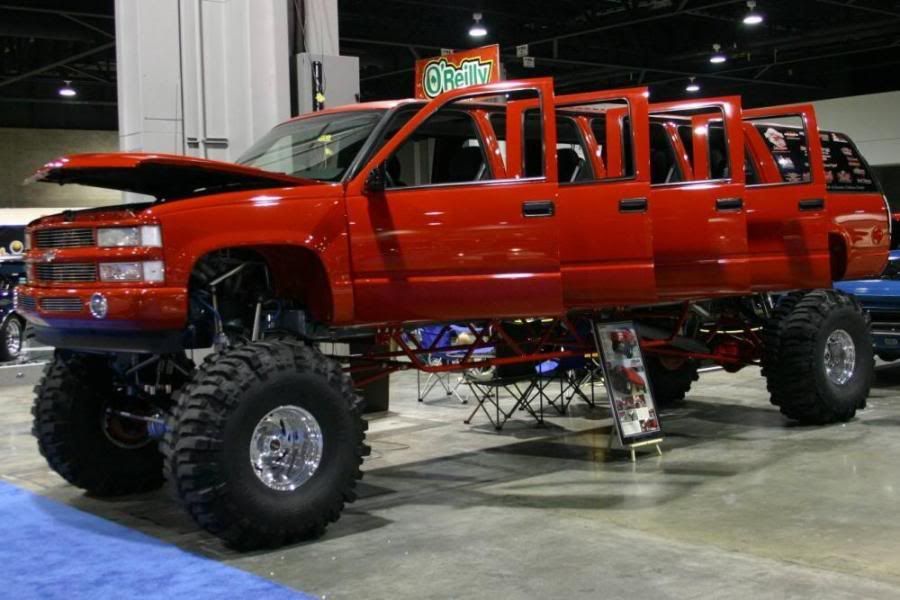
{"x": 440, "y": 74}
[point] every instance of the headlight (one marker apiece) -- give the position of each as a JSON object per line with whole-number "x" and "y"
{"x": 152, "y": 271}
{"x": 119, "y": 237}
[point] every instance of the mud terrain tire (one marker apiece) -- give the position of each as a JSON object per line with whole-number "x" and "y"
{"x": 216, "y": 424}
{"x": 670, "y": 382}
{"x": 800, "y": 340}
{"x": 68, "y": 413}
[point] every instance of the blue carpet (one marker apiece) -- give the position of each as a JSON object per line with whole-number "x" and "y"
{"x": 49, "y": 550}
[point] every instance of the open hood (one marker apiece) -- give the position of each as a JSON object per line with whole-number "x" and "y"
{"x": 164, "y": 176}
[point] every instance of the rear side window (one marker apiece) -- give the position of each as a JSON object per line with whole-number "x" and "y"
{"x": 788, "y": 146}
{"x": 845, "y": 170}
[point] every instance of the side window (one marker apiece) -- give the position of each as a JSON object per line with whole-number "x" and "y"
{"x": 688, "y": 144}
{"x": 686, "y": 135}
{"x": 572, "y": 157}
{"x": 663, "y": 163}
{"x": 718, "y": 152}
{"x": 571, "y": 151}
{"x": 751, "y": 177}
{"x": 785, "y": 140}
{"x": 594, "y": 142}
{"x": 446, "y": 148}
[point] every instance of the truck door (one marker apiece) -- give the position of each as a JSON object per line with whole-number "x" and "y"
{"x": 606, "y": 254}
{"x": 699, "y": 221}
{"x": 786, "y": 210}
{"x": 460, "y": 230}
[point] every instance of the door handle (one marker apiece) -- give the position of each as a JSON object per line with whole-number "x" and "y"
{"x": 538, "y": 208}
{"x": 729, "y": 204}
{"x": 812, "y": 204}
{"x": 633, "y": 205}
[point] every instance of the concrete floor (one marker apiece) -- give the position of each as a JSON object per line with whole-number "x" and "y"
{"x": 741, "y": 505}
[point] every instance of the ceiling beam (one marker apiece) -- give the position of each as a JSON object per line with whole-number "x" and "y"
{"x": 87, "y": 25}
{"x": 807, "y": 58}
{"x": 89, "y": 75}
{"x": 56, "y": 11}
{"x": 56, "y": 101}
{"x": 631, "y": 21}
{"x": 58, "y": 63}
{"x": 780, "y": 63}
{"x": 862, "y": 7}
{"x": 723, "y": 75}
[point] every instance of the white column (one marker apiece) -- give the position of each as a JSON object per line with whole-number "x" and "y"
{"x": 341, "y": 73}
{"x": 321, "y": 27}
{"x": 149, "y": 85}
{"x": 201, "y": 77}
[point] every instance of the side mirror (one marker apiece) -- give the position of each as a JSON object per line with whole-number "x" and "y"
{"x": 376, "y": 182}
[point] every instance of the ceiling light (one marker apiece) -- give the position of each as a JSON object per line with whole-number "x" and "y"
{"x": 752, "y": 17}
{"x": 67, "y": 90}
{"x": 692, "y": 86}
{"x": 717, "y": 57}
{"x": 477, "y": 30}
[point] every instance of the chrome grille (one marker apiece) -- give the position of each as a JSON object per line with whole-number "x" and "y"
{"x": 27, "y": 303}
{"x": 66, "y": 272}
{"x": 64, "y": 238}
{"x": 61, "y": 304}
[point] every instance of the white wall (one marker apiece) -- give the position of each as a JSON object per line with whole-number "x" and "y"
{"x": 872, "y": 121}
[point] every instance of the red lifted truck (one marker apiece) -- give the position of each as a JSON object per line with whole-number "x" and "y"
{"x": 524, "y": 214}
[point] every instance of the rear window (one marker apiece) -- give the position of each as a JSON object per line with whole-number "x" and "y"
{"x": 788, "y": 146}
{"x": 845, "y": 170}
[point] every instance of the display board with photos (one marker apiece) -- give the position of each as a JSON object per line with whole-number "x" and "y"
{"x": 627, "y": 384}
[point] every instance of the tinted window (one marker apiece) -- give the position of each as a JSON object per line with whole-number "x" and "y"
{"x": 845, "y": 170}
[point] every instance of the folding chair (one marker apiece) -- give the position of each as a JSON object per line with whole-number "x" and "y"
{"x": 519, "y": 381}
{"x": 572, "y": 374}
{"x": 440, "y": 336}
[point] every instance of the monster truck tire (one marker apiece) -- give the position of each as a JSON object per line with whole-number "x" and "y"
{"x": 771, "y": 333}
{"x": 72, "y": 434}
{"x": 670, "y": 381}
{"x": 276, "y": 396}
{"x": 812, "y": 377}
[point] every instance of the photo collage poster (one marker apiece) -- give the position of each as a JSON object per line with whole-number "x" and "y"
{"x": 630, "y": 398}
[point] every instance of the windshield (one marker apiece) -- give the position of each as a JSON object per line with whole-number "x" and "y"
{"x": 321, "y": 147}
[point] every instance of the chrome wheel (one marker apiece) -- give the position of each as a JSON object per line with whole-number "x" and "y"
{"x": 13, "y": 337}
{"x": 286, "y": 448}
{"x": 840, "y": 357}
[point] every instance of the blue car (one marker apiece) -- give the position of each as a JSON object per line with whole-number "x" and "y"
{"x": 881, "y": 298}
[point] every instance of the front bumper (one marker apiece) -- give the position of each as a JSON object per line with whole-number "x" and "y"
{"x": 149, "y": 319}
